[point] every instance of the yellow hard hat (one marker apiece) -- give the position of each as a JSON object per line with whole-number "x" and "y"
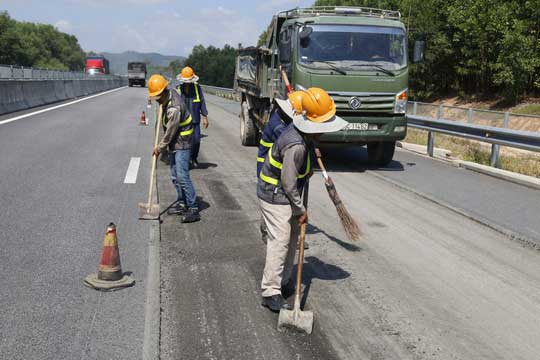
{"x": 318, "y": 105}
{"x": 187, "y": 75}
{"x": 156, "y": 85}
{"x": 296, "y": 101}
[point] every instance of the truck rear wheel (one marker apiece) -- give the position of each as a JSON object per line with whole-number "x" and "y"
{"x": 381, "y": 153}
{"x": 248, "y": 131}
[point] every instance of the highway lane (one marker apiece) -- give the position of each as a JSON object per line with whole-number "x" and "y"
{"x": 423, "y": 283}
{"x": 507, "y": 205}
{"x": 62, "y": 175}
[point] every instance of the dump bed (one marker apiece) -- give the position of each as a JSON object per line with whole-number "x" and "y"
{"x": 252, "y": 66}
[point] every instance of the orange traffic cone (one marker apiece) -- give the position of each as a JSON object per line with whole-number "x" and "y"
{"x": 143, "y": 119}
{"x": 149, "y": 104}
{"x": 109, "y": 276}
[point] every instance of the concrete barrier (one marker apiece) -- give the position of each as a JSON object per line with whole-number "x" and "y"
{"x": 18, "y": 95}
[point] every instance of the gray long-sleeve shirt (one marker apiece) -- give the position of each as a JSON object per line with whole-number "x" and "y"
{"x": 293, "y": 161}
{"x": 174, "y": 117}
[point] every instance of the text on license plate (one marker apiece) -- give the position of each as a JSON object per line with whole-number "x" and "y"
{"x": 358, "y": 126}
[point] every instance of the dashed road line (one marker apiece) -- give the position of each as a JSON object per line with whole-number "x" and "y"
{"x": 132, "y": 171}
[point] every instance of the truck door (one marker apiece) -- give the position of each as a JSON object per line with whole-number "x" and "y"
{"x": 286, "y": 52}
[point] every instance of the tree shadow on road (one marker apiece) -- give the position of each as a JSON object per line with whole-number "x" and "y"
{"x": 312, "y": 229}
{"x": 314, "y": 268}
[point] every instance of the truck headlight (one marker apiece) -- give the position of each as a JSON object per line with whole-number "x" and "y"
{"x": 401, "y": 102}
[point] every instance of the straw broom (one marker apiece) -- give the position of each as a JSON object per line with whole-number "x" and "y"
{"x": 349, "y": 224}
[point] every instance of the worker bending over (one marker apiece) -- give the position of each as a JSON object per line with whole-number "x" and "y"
{"x": 286, "y": 169}
{"x": 178, "y": 141}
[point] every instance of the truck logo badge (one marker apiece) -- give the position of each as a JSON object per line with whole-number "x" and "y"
{"x": 355, "y": 103}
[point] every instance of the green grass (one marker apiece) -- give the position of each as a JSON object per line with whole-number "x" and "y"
{"x": 472, "y": 151}
{"x": 530, "y": 109}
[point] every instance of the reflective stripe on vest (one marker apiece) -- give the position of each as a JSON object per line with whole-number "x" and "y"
{"x": 197, "y": 97}
{"x": 266, "y": 144}
{"x": 185, "y": 123}
{"x": 164, "y": 119}
{"x": 260, "y": 159}
{"x": 279, "y": 166}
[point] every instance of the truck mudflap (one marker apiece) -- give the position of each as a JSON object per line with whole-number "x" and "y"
{"x": 362, "y": 130}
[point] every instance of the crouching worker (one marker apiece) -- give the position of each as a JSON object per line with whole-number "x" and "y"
{"x": 178, "y": 141}
{"x": 286, "y": 169}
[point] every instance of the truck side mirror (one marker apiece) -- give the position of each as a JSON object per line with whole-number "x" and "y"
{"x": 285, "y": 52}
{"x": 419, "y": 47}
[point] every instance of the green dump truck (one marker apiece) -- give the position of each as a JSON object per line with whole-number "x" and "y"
{"x": 358, "y": 55}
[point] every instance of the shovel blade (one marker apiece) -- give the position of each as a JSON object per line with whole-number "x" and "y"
{"x": 296, "y": 320}
{"x": 148, "y": 211}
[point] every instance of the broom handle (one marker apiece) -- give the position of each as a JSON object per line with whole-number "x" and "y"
{"x": 321, "y": 165}
{"x": 154, "y": 157}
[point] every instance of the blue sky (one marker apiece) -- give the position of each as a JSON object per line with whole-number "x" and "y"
{"x": 170, "y": 27}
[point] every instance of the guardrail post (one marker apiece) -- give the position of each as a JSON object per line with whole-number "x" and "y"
{"x": 470, "y": 116}
{"x": 415, "y": 108}
{"x": 430, "y": 143}
{"x": 431, "y": 134}
{"x": 495, "y": 148}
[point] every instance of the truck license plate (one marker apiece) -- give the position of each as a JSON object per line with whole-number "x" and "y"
{"x": 358, "y": 126}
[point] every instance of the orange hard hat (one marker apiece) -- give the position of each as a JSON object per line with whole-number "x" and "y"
{"x": 318, "y": 105}
{"x": 187, "y": 73}
{"x": 156, "y": 85}
{"x": 296, "y": 101}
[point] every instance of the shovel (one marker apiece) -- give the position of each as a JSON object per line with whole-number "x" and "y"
{"x": 297, "y": 319}
{"x": 149, "y": 211}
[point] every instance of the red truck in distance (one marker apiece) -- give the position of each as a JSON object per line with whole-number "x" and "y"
{"x": 97, "y": 65}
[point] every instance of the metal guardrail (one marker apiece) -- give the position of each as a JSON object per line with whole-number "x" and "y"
{"x": 222, "y": 92}
{"x": 14, "y": 72}
{"x": 493, "y": 127}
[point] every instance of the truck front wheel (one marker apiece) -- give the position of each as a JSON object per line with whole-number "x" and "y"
{"x": 381, "y": 153}
{"x": 248, "y": 131}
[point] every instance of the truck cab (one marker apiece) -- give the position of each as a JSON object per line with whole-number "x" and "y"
{"x": 358, "y": 55}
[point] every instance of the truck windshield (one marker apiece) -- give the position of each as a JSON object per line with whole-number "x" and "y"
{"x": 137, "y": 67}
{"x": 354, "y": 47}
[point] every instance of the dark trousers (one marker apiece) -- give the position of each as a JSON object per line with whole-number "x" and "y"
{"x": 196, "y": 141}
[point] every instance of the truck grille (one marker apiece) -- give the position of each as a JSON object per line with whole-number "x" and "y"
{"x": 369, "y": 102}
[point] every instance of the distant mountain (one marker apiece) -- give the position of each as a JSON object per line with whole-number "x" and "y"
{"x": 118, "y": 62}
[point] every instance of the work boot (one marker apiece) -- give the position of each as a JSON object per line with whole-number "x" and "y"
{"x": 177, "y": 209}
{"x": 191, "y": 215}
{"x": 275, "y": 303}
{"x": 195, "y": 164}
{"x": 288, "y": 289}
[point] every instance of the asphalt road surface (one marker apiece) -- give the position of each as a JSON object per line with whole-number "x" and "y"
{"x": 62, "y": 182}
{"x": 423, "y": 283}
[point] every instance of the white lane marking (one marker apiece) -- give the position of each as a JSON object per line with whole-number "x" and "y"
{"x": 132, "y": 171}
{"x": 58, "y": 106}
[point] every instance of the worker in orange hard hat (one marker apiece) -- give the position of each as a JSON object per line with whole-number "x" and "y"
{"x": 193, "y": 94}
{"x": 286, "y": 170}
{"x": 280, "y": 116}
{"x": 177, "y": 139}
